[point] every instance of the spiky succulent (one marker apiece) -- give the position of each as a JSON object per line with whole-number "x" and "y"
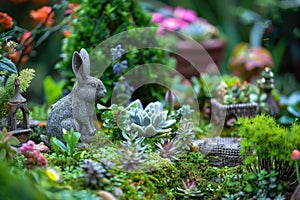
{"x": 185, "y": 133}
{"x": 132, "y": 152}
{"x": 185, "y": 111}
{"x": 169, "y": 149}
{"x": 95, "y": 172}
{"x": 189, "y": 189}
{"x": 149, "y": 121}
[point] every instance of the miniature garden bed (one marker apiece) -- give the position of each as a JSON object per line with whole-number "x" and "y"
{"x": 231, "y": 112}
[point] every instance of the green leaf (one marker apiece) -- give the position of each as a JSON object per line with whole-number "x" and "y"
{"x": 286, "y": 120}
{"x": 7, "y": 64}
{"x": 2, "y": 154}
{"x": 57, "y": 144}
{"x": 53, "y": 90}
{"x": 73, "y": 140}
{"x": 248, "y": 188}
{"x": 14, "y": 141}
{"x": 293, "y": 111}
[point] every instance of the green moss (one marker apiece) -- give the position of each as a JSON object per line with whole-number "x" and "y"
{"x": 267, "y": 145}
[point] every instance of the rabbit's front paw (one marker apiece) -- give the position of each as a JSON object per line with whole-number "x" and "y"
{"x": 92, "y": 132}
{"x": 82, "y": 145}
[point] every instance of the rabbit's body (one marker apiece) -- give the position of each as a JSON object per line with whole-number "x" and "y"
{"x": 76, "y": 110}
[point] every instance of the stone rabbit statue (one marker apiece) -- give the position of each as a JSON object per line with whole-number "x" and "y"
{"x": 76, "y": 110}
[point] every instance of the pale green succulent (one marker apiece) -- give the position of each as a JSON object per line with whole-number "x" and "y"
{"x": 132, "y": 152}
{"x": 149, "y": 121}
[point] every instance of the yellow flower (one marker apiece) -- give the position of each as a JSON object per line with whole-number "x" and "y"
{"x": 52, "y": 174}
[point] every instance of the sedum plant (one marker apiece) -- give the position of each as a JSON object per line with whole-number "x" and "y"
{"x": 7, "y": 151}
{"x": 189, "y": 190}
{"x": 132, "y": 152}
{"x": 185, "y": 133}
{"x": 235, "y": 93}
{"x": 95, "y": 172}
{"x": 169, "y": 149}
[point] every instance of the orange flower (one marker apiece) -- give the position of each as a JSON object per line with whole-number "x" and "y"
{"x": 66, "y": 33}
{"x": 5, "y": 21}
{"x": 15, "y": 57}
{"x": 25, "y": 41}
{"x": 41, "y": 15}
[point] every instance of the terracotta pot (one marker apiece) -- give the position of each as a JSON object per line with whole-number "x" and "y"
{"x": 202, "y": 58}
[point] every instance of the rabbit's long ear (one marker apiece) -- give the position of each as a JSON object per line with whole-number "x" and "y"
{"x": 76, "y": 62}
{"x": 86, "y": 62}
{"x": 78, "y": 65}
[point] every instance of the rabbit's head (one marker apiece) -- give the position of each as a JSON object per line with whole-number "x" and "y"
{"x": 89, "y": 86}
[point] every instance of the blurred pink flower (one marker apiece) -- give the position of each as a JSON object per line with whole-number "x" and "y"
{"x": 157, "y": 17}
{"x": 185, "y": 14}
{"x": 173, "y": 23}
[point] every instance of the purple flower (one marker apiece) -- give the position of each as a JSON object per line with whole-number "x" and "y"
{"x": 116, "y": 69}
{"x": 124, "y": 64}
{"x": 117, "y": 52}
{"x": 185, "y": 14}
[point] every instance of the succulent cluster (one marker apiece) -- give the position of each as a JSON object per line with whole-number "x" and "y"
{"x": 149, "y": 121}
{"x": 95, "y": 172}
{"x": 236, "y": 93}
{"x": 34, "y": 158}
{"x": 132, "y": 152}
{"x": 183, "y": 136}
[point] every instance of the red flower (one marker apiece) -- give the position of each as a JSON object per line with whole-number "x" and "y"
{"x": 295, "y": 155}
{"x": 5, "y": 21}
{"x": 41, "y": 15}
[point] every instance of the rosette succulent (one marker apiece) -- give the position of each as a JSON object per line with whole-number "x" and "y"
{"x": 95, "y": 172}
{"x": 149, "y": 121}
